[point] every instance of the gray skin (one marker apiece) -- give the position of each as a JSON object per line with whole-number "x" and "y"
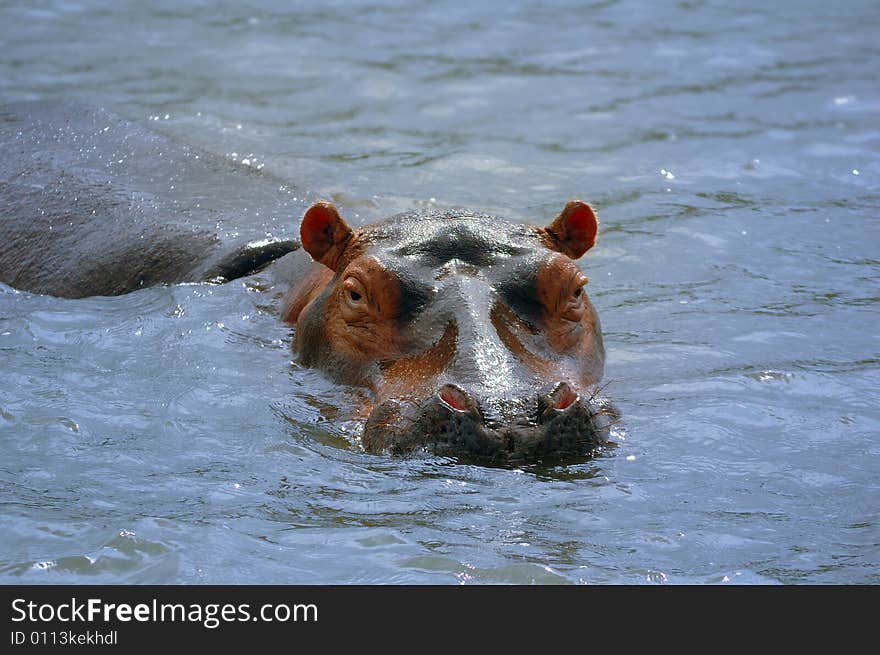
{"x": 93, "y": 204}
{"x": 456, "y": 268}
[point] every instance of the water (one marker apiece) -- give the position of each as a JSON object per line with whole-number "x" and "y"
{"x": 733, "y": 154}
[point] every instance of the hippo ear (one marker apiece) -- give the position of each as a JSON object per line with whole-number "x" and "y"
{"x": 573, "y": 232}
{"x": 324, "y": 234}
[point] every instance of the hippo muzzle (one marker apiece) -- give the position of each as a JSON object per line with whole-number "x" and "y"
{"x": 558, "y": 424}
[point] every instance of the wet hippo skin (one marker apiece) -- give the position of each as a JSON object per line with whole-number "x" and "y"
{"x": 474, "y": 333}
{"x": 93, "y": 204}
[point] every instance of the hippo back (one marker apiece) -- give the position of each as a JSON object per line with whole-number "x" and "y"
{"x": 93, "y": 204}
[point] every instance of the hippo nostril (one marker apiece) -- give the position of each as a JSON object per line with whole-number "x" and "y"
{"x": 454, "y": 397}
{"x": 563, "y": 396}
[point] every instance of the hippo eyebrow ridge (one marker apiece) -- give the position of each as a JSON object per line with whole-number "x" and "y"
{"x": 414, "y": 296}
{"x": 520, "y": 291}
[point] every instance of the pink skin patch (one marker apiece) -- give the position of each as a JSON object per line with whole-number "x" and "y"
{"x": 453, "y": 397}
{"x": 564, "y": 397}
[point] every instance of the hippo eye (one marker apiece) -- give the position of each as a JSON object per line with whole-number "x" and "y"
{"x": 578, "y": 293}
{"x": 354, "y": 292}
{"x": 574, "y": 305}
{"x": 573, "y": 308}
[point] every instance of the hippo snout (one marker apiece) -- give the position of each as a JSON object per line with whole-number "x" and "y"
{"x": 559, "y": 423}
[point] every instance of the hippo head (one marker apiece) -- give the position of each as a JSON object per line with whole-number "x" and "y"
{"x": 474, "y": 334}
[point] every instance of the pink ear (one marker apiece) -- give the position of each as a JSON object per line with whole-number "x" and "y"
{"x": 574, "y": 230}
{"x": 324, "y": 234}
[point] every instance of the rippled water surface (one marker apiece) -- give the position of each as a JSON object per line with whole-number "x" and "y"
{"x": 733, "y": 153}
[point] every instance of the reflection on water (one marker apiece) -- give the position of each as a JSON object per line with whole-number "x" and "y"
{"x": 732, "y": 153}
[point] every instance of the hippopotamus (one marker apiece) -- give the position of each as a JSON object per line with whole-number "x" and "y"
{"x": 474, "y": 334}
{"x": 94, "y": 204}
